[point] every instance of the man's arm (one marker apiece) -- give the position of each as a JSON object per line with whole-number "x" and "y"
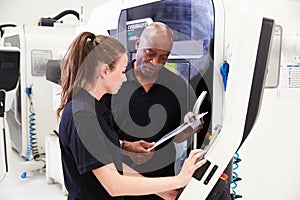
{"x": 137, "y": 151}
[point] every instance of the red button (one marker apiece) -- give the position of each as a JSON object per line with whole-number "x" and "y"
{"x": 224, "y": 177}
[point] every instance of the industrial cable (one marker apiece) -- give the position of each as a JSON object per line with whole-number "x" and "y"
{"x": 66, "y": 12}
{"x": 49, "y": 21}
{"x": 32, "y": 143}
{"x": 2, "y": 110}
{"x": 224, "y": 70}
{"x": 235, "y": 176}
{"x": 5, "y": 155}
{"x": 3, "y": 26}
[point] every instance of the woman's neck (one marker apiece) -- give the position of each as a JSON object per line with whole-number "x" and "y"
{"x": 97, "y": 93}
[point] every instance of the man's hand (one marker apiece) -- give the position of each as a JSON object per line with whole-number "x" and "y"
{"x": 188, "y": 116}
{"x": 137, "y": 151}
{"x": 184, "y": 135}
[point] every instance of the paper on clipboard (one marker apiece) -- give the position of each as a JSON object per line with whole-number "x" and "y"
{"x": 182, "y": 128}
{"x": 192, "y": 123}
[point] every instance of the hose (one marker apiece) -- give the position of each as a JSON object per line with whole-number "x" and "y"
{"x": 2, "y": 110}
{"x": 235, "y": 176}
{"x": 66, "y": 12}
{"x": 50, "y": 21}
{"x": 3, "y": 26}
{"x": 32, "y": 144}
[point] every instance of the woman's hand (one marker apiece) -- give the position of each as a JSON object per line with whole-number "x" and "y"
{"x": 168, "y": 195}
{"x": 190, "y": 165}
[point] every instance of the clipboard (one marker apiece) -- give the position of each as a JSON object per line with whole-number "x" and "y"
{"x": 192, "y": 124}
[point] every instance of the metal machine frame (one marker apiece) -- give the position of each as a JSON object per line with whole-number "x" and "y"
{"x": 37, "y": 45}
{"x": 242, "y": 102}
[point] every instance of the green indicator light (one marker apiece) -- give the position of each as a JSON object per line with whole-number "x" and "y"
{"x": 129, "y": 33}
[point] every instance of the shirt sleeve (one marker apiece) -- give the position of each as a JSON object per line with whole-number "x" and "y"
{"x": 89, "y": 144}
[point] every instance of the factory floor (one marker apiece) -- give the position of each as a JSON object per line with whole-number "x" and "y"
{"x": 33, "y": 187}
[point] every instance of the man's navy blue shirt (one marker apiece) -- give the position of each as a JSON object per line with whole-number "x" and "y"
{"x": 148, "y": 116}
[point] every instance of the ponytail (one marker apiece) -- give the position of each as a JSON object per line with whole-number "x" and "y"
{"x": 76, "y": 69}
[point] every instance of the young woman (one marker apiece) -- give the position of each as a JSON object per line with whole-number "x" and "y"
{"x": 90, "y": 149}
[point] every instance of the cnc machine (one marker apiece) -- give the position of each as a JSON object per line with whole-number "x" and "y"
{"x": 32, "y": 114}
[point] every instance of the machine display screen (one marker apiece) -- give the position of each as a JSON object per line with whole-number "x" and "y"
{"x": 134, "y": 29}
